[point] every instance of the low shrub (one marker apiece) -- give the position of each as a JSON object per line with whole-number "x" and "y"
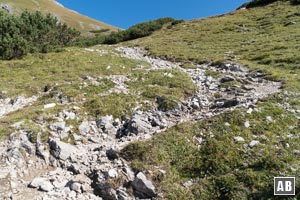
{"x": 137, "y": 31}
{"x": 32, "y": 32}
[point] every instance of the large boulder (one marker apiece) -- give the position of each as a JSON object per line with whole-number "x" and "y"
{"x": 143, "y": 188}
{"x": 61, "y": 150}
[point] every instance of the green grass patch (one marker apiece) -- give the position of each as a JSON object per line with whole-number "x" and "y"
{"x": 220, "y": 167}
{"x": 258, "y": 38}
{"x": 30, "y": 75}
{"x": 118, "y": 105}
{"x": 166, "y": 87}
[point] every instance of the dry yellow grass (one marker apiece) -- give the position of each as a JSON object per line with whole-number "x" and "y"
{"x": 72, "y": 18}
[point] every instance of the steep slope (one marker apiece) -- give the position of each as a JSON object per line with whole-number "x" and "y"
{"x": 72, "y": 18}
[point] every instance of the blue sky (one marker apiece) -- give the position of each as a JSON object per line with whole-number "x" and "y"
{"x": 122, "y": 13}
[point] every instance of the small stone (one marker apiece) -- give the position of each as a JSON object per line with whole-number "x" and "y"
{"x": 112, "y": 154}
{"x": 46, "y": 186}
{"x": 58, "y": 126}
{"x": 269, "y": 119}
{"x": 195, "y": 105}
{"x": 37, "y": 182}
{"x": 188, "y": 184}
{"x": 253, "y": 143}
{"x": 106, "y": 125}
{"x": 247, "y": 124}
{"x": 86, "y": 188}
{"x": 76, "y": 187}
{"x": 226, "y": 79}
{"x": 112, "y": 173}
{"x": 95, "y": 140}
{"x": 76, "y": 108}
{"x": 296, "y": 151}
{"x": 66, "y": 191}
{"x": 227, "y": 124}
{"x": 147, "y": 136}
{"x": 69, "y": 115}
{"x": 250, "y": 110}
{"x": 75, "y": 168}
{"x": 226, "y": 103}
{"x": 84, "y": 128}
{"x": 50, "y": 105}
{"x": 162, "y": 171}
{"x": 239, "y": 139}
{"x": 72, "y": 194}
{"x": 77, "y": 137}
{"x": 169, "y": 75}
{"x": 60, "y": 184}
{"x": 82, "y": 179}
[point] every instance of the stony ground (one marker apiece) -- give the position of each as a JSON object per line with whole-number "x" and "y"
{"x": 91, "y": 168}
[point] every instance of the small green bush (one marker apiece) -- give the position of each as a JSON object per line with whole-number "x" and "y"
{"x": 139, "y": 30}
{"x": 32, "y": 32}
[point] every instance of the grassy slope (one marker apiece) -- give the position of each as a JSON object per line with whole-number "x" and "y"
{"x": 259, "y": 37}
{"x": 266, "y": 38}
{"x": 73, "y": 19}
{"x": 66, "y": 73}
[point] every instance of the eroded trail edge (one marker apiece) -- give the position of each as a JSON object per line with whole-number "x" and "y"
{"x": 87, "y": 169}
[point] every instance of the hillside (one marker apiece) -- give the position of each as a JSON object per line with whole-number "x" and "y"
{"x": 204, "y": 109}
{"x": 72, "y": 18}
{"x": 215, "y": 159}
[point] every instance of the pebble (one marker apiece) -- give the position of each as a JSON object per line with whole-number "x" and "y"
{"x": 253, "y": 143}
{"x": 50, "y": 105}
{"x": 239, "y": 139}
{"x": 269, "y": 119}
{"x": 247, "y": 124}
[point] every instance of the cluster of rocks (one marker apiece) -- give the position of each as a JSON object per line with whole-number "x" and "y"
{"x": 141, "y": 54}
{"x": 82, "y": 161}
{"x": 119, "y": 82}
{"x": 59, "y": 170}
{"x": 8, "y": 105}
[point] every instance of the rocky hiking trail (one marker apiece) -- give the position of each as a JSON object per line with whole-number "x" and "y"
{"x": 85, "y": 170}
